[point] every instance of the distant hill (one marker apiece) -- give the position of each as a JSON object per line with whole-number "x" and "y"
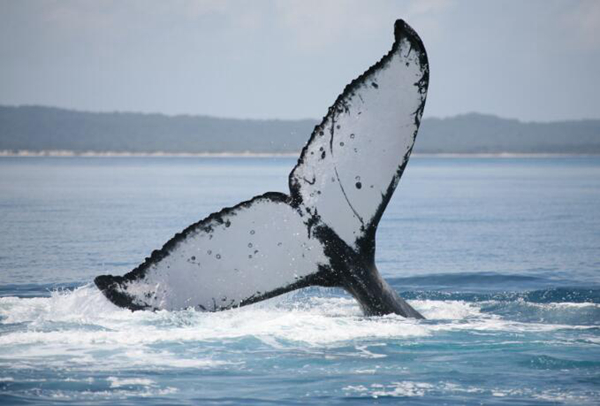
{"x": 35, "y": 128}
{"x": 478, "y": 133}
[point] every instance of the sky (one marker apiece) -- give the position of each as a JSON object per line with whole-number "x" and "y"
{"x": 533, "y": 60}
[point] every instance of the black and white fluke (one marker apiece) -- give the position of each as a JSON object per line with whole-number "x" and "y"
{"x": 323, "y": 232}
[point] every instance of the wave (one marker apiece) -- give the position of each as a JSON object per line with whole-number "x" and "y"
{"x": 105, "y": 352}
{"x": 551, "y": 295}
{"x": 439, "y": 392}
{"x": 484, "y": 281}
{"x": 35, "y": 290}
{"x": 316, "y": 318}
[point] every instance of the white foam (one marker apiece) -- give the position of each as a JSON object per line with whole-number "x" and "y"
{"x": 70, "y": 327}
{"x": 113, "y": 393}
{"x": 117, "y": 382}
{"x": 395, "y": 389}
{"x": 553, "y": 306}
{"x": 404, "y": 389}
{"x": 420, "y": 389}
{"x": 83, "y": 305}
{"x": 446, "y": 310}
{"x": 322, "y": 321}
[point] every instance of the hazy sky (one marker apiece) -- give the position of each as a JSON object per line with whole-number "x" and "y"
{"x": 532, "y": 60}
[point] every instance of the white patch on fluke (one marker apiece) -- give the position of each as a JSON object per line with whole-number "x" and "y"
{"x": 249, "y": 252}
{"x": 355, "y": 157}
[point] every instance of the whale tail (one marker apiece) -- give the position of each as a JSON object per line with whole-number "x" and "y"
{"x": 323, "y": 232}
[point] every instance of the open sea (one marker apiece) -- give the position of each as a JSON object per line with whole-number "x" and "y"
{"x": 501, "y": 255}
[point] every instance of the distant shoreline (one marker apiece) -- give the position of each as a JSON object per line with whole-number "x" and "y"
{"x": 44, "y": 131}
{"x": 114, "y": 154}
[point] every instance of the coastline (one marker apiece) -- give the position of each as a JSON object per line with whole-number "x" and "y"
{"x": 115, "y": 154}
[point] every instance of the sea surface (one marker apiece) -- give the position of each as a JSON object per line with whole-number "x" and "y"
{"x": 501, "y": 255}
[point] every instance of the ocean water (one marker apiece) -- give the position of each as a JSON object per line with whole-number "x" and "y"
{"x": 501, "y": 255}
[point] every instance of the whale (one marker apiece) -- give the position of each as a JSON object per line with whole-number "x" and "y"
{"x": 323, "y": 232}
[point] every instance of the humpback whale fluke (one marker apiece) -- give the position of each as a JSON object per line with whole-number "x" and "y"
{"x": 323, "y": 232}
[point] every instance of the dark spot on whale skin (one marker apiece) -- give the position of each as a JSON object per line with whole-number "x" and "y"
{"x": 321, "y": 133}
{"x": 218, "y": 256}
{"x": 249, "y": 245}
{"x": 209, "y": 252}
{"x": 252, "y": 232}
{"x": 375, "y": 85}
{"x": 338, "y": 126}
{"x": 323, "y": 155}
{"x": 228, "y": 223}
{"x": 358, "y": 185}
{"x": 341, "y": 144}
{"x": 352, "y": 135}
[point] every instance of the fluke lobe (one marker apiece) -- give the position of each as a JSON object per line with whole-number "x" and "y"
{"x": 323, "y": 232}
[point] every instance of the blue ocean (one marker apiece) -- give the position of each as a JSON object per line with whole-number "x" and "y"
{"x": 501, "y": 255}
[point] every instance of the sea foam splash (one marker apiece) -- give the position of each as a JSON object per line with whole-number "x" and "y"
{"x": 312, "y": 320}
{"x": 106, "y": 352}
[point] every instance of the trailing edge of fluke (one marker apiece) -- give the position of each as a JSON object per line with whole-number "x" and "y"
{"x": 323, "y": 232}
